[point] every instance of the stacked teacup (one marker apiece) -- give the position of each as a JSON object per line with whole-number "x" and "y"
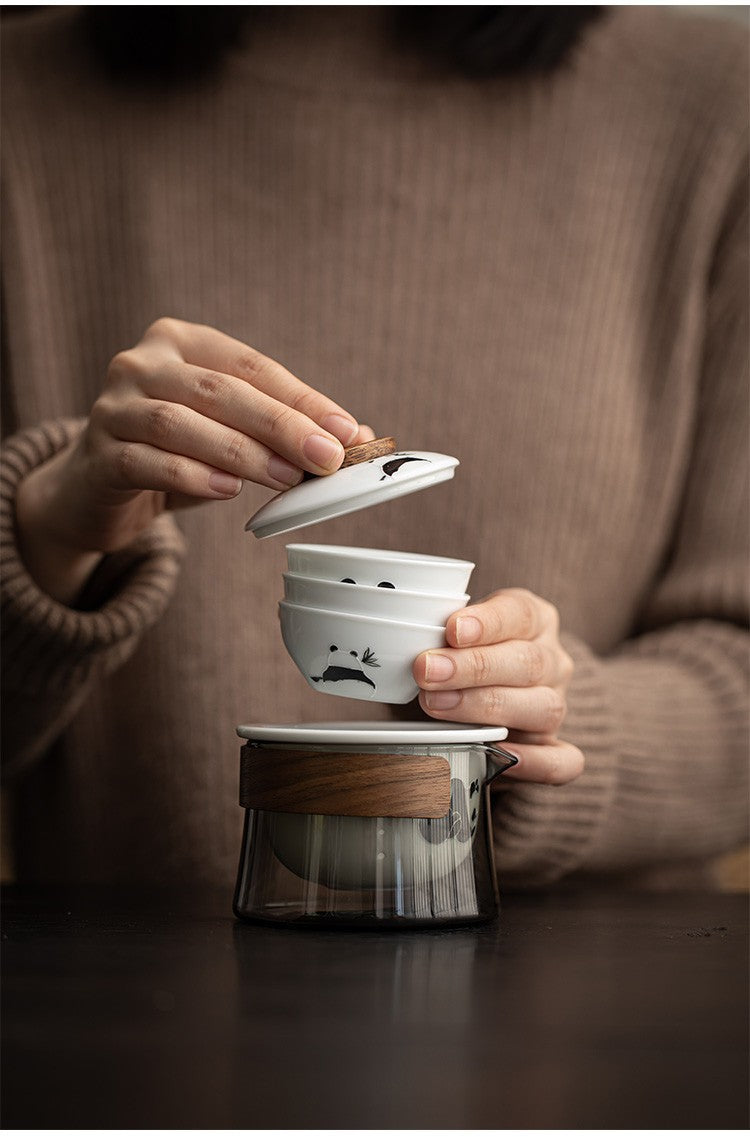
{"x": 354, "y": 620}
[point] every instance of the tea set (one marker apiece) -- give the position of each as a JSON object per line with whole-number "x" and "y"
{"x": 366, "y": 824}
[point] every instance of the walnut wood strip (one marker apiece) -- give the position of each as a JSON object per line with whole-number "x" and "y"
{"x": 347, "y": 785}
{"x": 366, "y": 451}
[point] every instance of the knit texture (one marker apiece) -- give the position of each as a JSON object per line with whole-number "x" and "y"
{"x": 49, "y": 651}
{"x": 545, "y": 276}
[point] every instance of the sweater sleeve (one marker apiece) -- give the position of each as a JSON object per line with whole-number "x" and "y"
{"x": 663, "y": 720}
{"x": 52, "y": 654}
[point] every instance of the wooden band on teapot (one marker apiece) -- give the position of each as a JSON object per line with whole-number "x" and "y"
{"x": 344, "y": 785}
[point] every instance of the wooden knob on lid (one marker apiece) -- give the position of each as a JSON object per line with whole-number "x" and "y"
{"x": 364, "y": 452}
{"x": 368, "y": 450}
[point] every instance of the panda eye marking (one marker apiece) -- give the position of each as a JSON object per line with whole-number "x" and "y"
{"x": 386, "y": 584}
{"x": 348, "y": 580}
{"x": 353, "y": 653}
{"x": 333, "y": 648}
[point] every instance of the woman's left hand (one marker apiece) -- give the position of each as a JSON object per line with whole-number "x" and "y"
{"x": 505, "y": 666}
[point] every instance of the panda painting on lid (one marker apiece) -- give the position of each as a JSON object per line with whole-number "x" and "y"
{"x": 346, "y": 674}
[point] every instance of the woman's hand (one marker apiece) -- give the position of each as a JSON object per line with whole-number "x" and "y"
{"x": 186, "y": 416}
{"x": 505, "y": 666}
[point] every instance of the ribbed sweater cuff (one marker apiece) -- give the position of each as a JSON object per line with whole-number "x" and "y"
{"x": 542, "y": 833}
{"x": 47, "y": 645}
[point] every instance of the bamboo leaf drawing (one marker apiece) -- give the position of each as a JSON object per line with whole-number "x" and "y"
{"x": 370, "y": 658}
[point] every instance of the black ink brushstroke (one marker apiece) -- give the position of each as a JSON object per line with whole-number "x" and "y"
{"x": 394, "y": 465}
{"x": 335, "y": 674}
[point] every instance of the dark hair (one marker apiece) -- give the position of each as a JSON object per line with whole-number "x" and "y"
{"x": 167, "y": 43}
{"x": 485, "y": 40}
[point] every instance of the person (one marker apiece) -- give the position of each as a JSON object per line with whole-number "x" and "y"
{"x": 216, "y": 278}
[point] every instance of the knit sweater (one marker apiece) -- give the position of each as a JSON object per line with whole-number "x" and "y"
{"x": 543, "y": 275}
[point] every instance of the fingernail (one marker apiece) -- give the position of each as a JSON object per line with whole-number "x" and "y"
{"x": 322, "y": 451}
{"x": 226, "y": 485}
{"x": 283, "y": 472}
{"x": 438, "y": 667}
{"x": 468, "y": 630}
{"x": 344, "y": 429}
{"x": 442, "y": 700}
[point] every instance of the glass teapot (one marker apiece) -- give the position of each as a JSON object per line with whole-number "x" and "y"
{"x": 368, "y": 824}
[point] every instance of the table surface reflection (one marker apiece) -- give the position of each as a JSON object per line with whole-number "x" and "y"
{"x": 148, "y": 1009}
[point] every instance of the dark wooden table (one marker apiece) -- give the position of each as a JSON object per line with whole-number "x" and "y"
{"x": 157, "y": 1010}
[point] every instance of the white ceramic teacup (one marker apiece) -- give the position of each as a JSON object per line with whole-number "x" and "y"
{"x": 357, "y": 657}
{"x": 413, "y": 572}
{"x": 366, "y": 600}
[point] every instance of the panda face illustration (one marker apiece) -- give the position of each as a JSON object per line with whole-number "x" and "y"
{"x": 456, "y": 824}
{"x": 460, "y": 823}
{"x": 346, "y": 667}
{"x": 380, "y": 584}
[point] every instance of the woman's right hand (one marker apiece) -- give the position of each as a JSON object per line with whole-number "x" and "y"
{"x": 185, "y": 416}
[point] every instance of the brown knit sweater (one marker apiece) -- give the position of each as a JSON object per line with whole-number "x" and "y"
{"x": 544, "y": 276}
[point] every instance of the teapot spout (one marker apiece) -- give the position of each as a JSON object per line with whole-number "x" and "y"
{"x": 498, "y": 761}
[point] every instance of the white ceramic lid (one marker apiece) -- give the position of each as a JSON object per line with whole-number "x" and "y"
{"x": 354, "y": 487}
{"x": 372, "y": 733}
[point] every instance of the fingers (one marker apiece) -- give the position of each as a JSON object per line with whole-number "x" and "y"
{"x": 180, "y": 430}
{"x": 518, "y": 663}
{"x": 551, "y": 763}
{"x": 227, "y": 400}
{"x": 537, "y": 709}
{"x": 510, "y": 614}
{"x": 136, "y": 466}
{"x": 210, "y": 349}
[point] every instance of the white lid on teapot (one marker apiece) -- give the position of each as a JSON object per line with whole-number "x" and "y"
{"x": 370, "y": 474}
{"x": 378, "y": 733}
